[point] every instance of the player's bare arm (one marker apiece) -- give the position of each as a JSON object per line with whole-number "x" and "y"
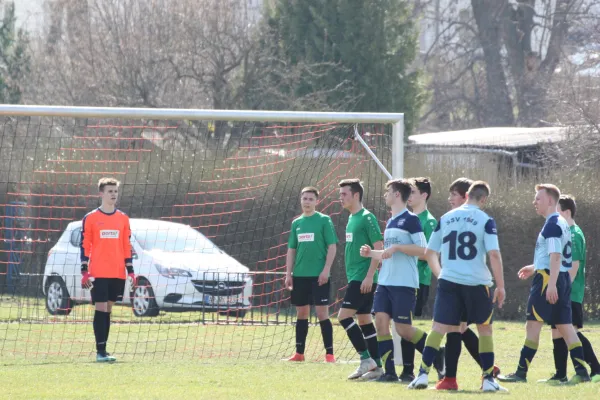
{"x": 526, "y": 272}
{"x": 498, "y": 273}
{"x": 551, "y": 291}
{"x": 324, "y": 276}
{"x": 433, "y": 260}
{"x": 573, "y": 270}
{"x": 289, "y": 267}
{"x": 367, "y": 283}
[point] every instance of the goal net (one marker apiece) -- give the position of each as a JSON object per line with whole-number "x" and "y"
{"x": 211, "y": 201}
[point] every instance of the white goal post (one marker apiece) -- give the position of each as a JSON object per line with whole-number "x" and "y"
{"x": 395, "y": 119}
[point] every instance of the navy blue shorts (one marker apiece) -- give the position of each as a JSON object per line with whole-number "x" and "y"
{"x": 538, "y": 308}
{"x": 396, "y": 301}
{"x": 455, "y": 303}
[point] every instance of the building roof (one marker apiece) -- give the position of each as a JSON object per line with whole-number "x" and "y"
{"x": 508, "y": 138}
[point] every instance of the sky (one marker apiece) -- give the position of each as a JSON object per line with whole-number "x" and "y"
{"x": 28, "y": 13}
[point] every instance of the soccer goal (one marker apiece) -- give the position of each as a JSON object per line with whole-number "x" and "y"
{"x": 211, "y": 195}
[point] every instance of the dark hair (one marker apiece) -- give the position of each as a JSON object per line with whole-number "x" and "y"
{"x": 355, "y": 187}
{"x": 404, "y": 186}
{"x": 310, "y": 189}
{"x": 552, "y": 190}
{"x": 567, "y": 202}
{"x": 479, "y": 190}
{"x": 461, "y": 186}
{"x": 107, "y": 182}
{"x": 424, "y": 186}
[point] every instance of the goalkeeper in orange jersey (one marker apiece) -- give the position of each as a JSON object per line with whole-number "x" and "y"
{"x": 105, "y": 254}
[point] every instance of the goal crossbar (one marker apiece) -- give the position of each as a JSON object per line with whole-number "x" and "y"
{"x": 395, "y": 119}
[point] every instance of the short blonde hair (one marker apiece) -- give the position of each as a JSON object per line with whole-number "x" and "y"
{"x": 107, "y": 182}
{"x": 552, "y": 190}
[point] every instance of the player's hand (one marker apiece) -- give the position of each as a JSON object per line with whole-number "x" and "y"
{"x": 367, "y": 285}
{"x": 86, "y": 283}
{"x": 289, "y": 282}
{"x": 388, "y": 253}
{"x": 526, "y": 272}
{"x": 323, "y": 278}
{"x": 133, "y": 282}
{"x": 551, "y": 294}
{"x": 499, "y": 296}
{"x": 365, "y": 251}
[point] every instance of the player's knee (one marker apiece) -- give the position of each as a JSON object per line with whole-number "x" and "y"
{"x": 405, "y": 331}
{"x": 463, "y": 327}
{"x": 444, "y": 329}
{"x": 102, "y": 306}
{"x": 364, "y": 319}
{"x": 485, "y": 329}
{"x": 533, "y": 329}
{"x": 322, "y": 312}
{"x": 382, "y": 325}
{"x": 302, "y": 312}
{"x": 344, "y": 313}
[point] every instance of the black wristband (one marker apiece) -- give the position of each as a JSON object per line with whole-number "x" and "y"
{"x": 84, "y": 268}
{"x": 129, "y": 269}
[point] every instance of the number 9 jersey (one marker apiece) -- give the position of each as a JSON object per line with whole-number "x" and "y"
{"x": 464, "y": 236}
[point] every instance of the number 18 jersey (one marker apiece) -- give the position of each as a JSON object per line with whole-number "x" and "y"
{"x": 464, "y": 236}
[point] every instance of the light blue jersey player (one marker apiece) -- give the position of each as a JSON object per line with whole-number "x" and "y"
{"x": 396, "y": 294}
{"x": 555, "y": 237}
{"x": 550, "y": 294}
{"x": 401, "y": 269}
{"x": 464, "y": 237}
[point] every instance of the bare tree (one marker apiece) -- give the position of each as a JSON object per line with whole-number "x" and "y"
{"x": 499, "y": 60}
{"x": 168, "y": 53}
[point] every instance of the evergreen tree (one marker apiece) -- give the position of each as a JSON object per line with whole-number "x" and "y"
{"x": 14, "y": 58}
{"x": 375, "y": 42}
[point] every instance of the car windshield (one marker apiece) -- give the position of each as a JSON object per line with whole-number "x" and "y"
{"x": 175, "y": 240}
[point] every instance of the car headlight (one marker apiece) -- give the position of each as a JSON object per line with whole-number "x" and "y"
{"x": 171, "y": 272}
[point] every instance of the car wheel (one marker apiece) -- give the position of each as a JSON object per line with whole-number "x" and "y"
{"x": 143, "y": 300}
{"x": 58, "y": 301}
{"x": 233, "y": 313}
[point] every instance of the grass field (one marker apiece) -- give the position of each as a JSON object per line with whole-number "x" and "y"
{"x": 181, "y": 361}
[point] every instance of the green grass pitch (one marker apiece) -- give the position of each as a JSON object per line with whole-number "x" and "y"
{"x": 191, "y": 361}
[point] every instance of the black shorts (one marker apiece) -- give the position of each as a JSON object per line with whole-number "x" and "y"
{"x": 422, "y": 297}
{"x": 107, "y": 289}
{"x": 355, "y": 300}
{"x": 539, "y": 309}
{"x": 577, "y": 315}
{"x": 455, "y": 302}
{"x": 306, "y": 291}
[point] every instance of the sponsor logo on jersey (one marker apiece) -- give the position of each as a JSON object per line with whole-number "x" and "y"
{"x": 306, "y": 237}
{"x": 109, "y": 234}
{"x": 401, "y": 222}
{"x": 348, "y": 237}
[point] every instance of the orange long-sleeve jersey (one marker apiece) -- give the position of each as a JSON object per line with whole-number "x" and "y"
{"x": 105, "y": 244}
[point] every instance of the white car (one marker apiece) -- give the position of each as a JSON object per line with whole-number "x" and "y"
{"x": 178, "y": 269}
